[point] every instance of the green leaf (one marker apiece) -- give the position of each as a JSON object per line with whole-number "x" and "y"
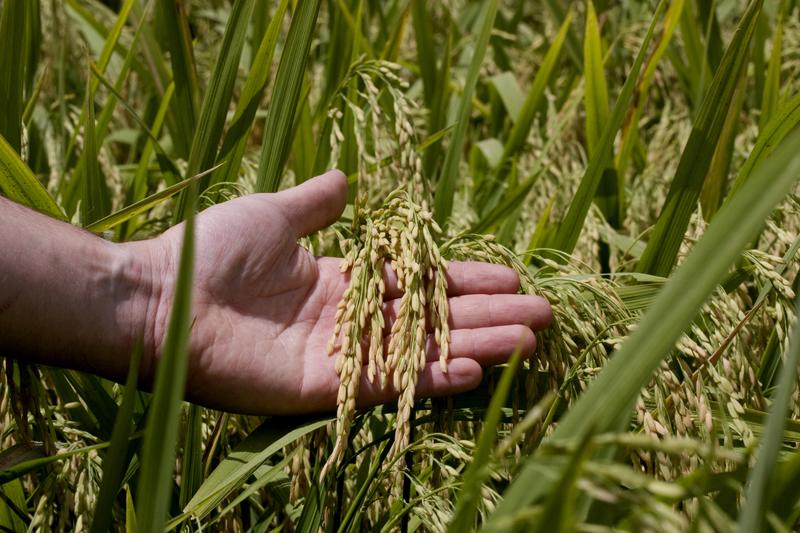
{"x": 662, "y": 248}
{"x": 137, "y": 208}
{"x": 522, "y": 127}
{"x": 761, "y": 479}
{"x": 507, "y": 88}
{"x": 609, "y": 400}
{"x": 173, "y": 34}
{"x": 477, "y": 473}
{"x": 571, "y": 225}
{"x": 445, "y": 187}
{"x": 630, "y": 128}
{"x": 13, "y": 39}
{"x": 95, "y": 197}
{"x": 785, "y": 120}
{"x": 596, "y": 89}
{"x": 426, "y": 52}
{"x": 233, "y": 146}
{"x": 115, "y": 459}
{"x": 279, "y": 126}
{"x": 161, "y": 433}
{"x": 251, "y": 453}
{"x": 216, "y": 101}
{"x": 716, "y": 180}
{"x": 18, "y": 183}
{"x": 609, "y": 195}
{"x": 772, "y": 85}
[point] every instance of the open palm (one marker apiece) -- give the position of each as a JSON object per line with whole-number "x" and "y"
{"x": 264, "y": 308}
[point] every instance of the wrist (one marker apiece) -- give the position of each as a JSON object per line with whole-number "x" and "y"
{"x": 137, "y": 273}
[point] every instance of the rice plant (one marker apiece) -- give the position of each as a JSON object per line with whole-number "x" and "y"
{"x": 636, "y": 164}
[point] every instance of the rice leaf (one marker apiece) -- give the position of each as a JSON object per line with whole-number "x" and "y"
{"x": 785, "y": 120}
{"x": 445, "y": 187}
{"x": 609, "y": 195}
{"x": 570, "y": 227}
{"x": 279, "y": 126}
{"x": 216, "y": 101}
{"x": 192, "y": 463}
{"x": 609, "y": 400}
{"x": 757, "y": 498}
{"x": 630, "y": 128}
{"x": 13, "y": 38}
{"x": 139, "y": 185}
{"x": 426, "y": 52}
{"x": 174, "y": 36}
{"x": 772, "y": 85}
{"x": 114, "y": 460}
{"x": 596, "y": 88}
{"x": 477, "y": 473}
{"x": 251, "y": 453}
{"x": 137, "y": 208}
{"x": 507, "y": 88}
{"x": 713, "y": 192}
{"x": 18, "y": 183}
{"x": 95, "y": 198}
{"x": 109, "y": 45}
{"x": 233, "y": 146}
{"x": 662, "y": 248}
{"x": 522, "y": 127}
{"x": 12, "y": 514}
{"x": 154, "y": 488}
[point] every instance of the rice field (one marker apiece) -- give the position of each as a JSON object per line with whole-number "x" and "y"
{"x": 636, "y": 163}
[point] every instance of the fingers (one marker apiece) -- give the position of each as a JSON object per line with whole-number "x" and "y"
{"x": 314, "y": 204}
{"x": 486, "y": 346}
{"x": 483, "y": 310}
{"x": 462, "y": 375}
{"x": 465, "y": 277}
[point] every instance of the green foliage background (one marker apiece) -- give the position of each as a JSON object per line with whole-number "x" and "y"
{"x": 637, "y": 162}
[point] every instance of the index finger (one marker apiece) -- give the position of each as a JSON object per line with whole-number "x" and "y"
{"x": 465, "y": 277}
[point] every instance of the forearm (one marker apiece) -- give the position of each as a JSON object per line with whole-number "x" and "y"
{"x": 68, "y": 298}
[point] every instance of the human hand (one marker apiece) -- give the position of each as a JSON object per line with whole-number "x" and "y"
{"x": 264, "y": 307}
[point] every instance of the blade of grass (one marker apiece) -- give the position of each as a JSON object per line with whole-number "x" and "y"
{"x": 477, "y": 473}
{"x": 772, "y": 83}
{"x": 596, "y": 88}
{"x": 785, "y": 120}
{"x": 426, "y": 52}
{"x": 192, "y": 463}
{"x": 716, "y": 181}
{"x": 609, "y": 192}
{"x": 95, "y": 198}
{"x": 662, "y": 248}
{"x": 13, "y": 39}
{"x": 279, "y": 125}
{"x": 139, "y": 184}
{"x": 164, "y": 161}
{"x": 630, "y": 129}
{"x": 216, "y": 101}
{"x": 137, "y": 208}
{"x": 161, "y": 433}
{"x": 609, "y": 399}
{"x": 757, "y": 498}
{"x": 114, "y": 460}
{"x": 521, "y": 129}
{"x": 174, "y": 36}
{"x": 110, "y": 44}
{"x": 445, "y": 187}
{"x": 233, "y": 146}
{"x": 18, "y": 183}
{"x": 251, "y": 453}
{"x": 570, "y": 227}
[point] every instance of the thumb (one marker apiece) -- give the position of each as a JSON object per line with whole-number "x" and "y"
{"x": 314, "y": 204}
